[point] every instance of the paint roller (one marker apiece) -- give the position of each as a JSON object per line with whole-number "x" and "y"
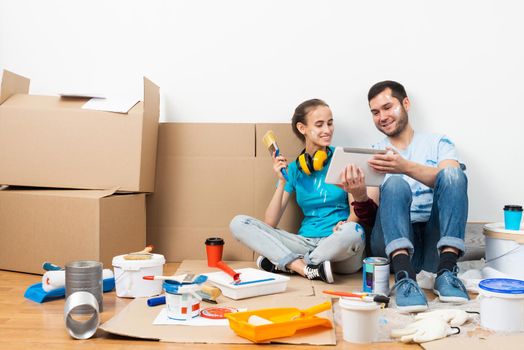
{"x": 270, "y": 142}
{"x": 144, "y": 254}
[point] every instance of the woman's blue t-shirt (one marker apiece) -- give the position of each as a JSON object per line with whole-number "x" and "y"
{"x": 323, "y": 205}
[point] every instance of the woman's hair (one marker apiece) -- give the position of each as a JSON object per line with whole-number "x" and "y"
{"x": 301, "y": 113}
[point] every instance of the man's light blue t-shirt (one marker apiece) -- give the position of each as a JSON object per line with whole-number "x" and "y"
{"x": 430, "y": 150}
{"x": 323, "y": 205}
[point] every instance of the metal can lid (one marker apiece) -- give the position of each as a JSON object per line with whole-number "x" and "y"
{"x": 376, "y": 260}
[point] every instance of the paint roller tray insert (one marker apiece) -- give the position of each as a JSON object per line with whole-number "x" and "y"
{"x": 254, "y": 283}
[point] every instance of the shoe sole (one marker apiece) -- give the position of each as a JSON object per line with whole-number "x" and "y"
{"x": 259, "y": 262}
{"x": 412, "y": 308}
{"x": 446, "y": 299}
{"x": 329, "y": 273}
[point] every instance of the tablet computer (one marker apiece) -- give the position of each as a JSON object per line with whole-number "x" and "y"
{"x": 358, "y": 156}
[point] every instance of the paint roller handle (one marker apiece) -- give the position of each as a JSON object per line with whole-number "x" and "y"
{"x": 223, "y": 266}
{"x": 47, "y": 266}
{"x": 146, "y": 250}
{"x": 316, "y": 309}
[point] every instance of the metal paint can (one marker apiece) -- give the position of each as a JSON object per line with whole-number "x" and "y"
{"x": 375, "y": 275}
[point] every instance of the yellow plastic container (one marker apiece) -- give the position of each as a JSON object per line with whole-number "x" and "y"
{"x": 282, "y": 322}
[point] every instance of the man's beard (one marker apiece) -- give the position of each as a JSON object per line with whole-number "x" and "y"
{"x": 402, "y": 122}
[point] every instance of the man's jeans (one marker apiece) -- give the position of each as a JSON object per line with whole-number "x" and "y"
{"x": 343, "y": 248}
{"x": 393, "y": 229}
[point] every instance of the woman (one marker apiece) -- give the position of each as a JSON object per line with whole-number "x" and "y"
{"x": 329, "y": 232}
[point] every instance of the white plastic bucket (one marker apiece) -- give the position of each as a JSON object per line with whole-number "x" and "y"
{"x": 359, "y": 320}
{"x": 504, "y": 252}
{"x": 502, "y": 304}
{"x": 129, "y": 273}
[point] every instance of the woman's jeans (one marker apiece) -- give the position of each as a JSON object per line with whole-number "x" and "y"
{"x": 446, "y": 226}
{"x": 344, "y": 248}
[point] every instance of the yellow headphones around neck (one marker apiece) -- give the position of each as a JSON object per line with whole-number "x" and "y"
{"x": 308, "y": 164}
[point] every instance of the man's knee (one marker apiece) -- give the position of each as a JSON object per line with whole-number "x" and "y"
{"x": 452, "y": 176}
{"x": 397, "y": 187}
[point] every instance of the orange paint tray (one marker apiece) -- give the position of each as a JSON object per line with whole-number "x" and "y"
{"x": 284, "y": 322}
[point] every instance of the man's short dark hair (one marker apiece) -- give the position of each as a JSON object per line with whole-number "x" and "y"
{"x": 397, "y": 90}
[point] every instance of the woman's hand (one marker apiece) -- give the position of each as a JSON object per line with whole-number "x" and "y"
{"x": 353, "y": 182}
{"x": 279, "y": 163}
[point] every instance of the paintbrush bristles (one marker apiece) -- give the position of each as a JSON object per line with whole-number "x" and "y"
{"x": 270, "y": 141}
{"x": 269, "y": 138}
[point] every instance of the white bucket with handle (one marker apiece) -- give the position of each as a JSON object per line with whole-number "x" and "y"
{"x": 128, "y": 276}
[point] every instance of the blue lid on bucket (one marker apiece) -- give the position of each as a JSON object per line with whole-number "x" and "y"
{"x": 502, "y": 285}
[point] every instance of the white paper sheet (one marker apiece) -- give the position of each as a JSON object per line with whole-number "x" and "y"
{"x": 118, "y": 104}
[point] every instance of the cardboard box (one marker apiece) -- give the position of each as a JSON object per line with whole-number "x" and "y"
{"x": 205, "y": 176}
{"x": 60, "y": 226}
{"x": 50, "y": 141}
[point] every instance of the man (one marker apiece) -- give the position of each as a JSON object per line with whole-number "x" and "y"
{"x": 421, "y": 216}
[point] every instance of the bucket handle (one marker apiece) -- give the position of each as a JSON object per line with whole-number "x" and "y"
{"x": 504, "y": 254}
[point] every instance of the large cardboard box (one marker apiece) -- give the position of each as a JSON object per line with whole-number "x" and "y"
{"x": 207, "y": 174}
{"x": 50, "y": 141}
{"x": 66, "y": 225}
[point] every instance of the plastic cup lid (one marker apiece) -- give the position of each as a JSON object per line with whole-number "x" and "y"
{"x": 214, "y": 241}
{"x": 502, "y": 285}
{"x": 513, "y": 207}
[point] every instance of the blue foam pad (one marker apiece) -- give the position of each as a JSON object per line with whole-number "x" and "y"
{"x": 36, "y": 293}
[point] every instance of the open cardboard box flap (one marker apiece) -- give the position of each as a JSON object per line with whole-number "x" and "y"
{"x": 50, "y": 141}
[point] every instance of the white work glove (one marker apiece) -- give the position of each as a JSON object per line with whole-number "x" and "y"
{"x": 423, "y": 330}
{"x": 454, "y": 317}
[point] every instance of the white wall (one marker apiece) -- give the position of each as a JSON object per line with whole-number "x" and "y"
{"x": 254, "y": 61}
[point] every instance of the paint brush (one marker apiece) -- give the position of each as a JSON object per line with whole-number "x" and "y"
{"x": 270, "y": 142}
{"x": 365, "y": 297}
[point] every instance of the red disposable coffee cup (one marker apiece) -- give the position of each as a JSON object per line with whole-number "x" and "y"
{"x": 214, "y": 248}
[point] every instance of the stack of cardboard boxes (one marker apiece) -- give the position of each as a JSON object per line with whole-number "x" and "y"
{"x": 84, "y": 174}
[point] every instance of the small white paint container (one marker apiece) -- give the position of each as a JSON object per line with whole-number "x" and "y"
{"x": 180, "y": 306}
{"x": 502, "y": 304}
{"x": 359, "y": 320}
{"x": 128, "y": 276}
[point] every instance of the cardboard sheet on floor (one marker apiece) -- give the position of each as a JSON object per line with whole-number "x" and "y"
{"x": 297, "y": 285}
{"x": 136, "y": 320}
{"x": 488, "y": 342}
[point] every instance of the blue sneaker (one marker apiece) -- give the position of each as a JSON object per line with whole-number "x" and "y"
{"x": 408, "y": 296}
{"x": 450, "y": 288}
